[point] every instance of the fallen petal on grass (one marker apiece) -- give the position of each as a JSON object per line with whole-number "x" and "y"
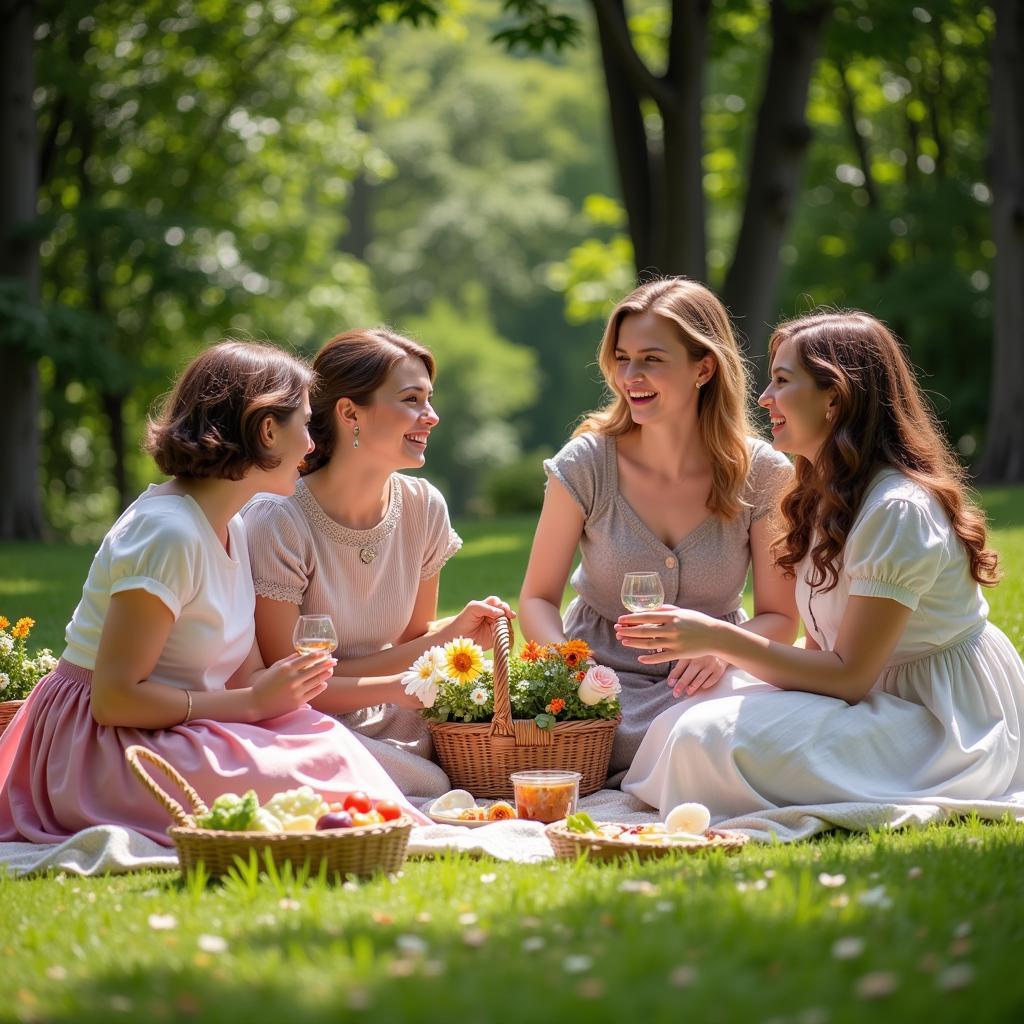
{"x": 955, "y": 977}
{"x": 213, "y": 944}
{"x": 847, "y": 948}
{"x": 877, "y": 985}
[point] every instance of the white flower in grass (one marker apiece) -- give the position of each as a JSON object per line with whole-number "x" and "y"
{"x": 6, "y": 644}
{"x": 479, "y": 696}
{"x": 5, "y": 681}
{"x": 213, "y": 944}
{"x": 46, "y": 662}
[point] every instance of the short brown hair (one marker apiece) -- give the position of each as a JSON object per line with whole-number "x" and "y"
{"x": 209, "y": 424}
{"x": 353, "y": 365}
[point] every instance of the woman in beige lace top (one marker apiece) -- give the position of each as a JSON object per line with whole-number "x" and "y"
{"x": 666, "y": 478}
{"x": 365, "y": 544}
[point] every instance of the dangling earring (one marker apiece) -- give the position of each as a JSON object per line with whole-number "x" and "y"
{"x": 355, "y": 437}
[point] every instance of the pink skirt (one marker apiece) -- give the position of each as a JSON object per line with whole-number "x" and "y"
{"x": 61, "y": 772}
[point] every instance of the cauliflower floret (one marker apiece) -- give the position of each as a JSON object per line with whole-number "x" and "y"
{"x": 266, "y": 822}
{"x": 292, "y": 804}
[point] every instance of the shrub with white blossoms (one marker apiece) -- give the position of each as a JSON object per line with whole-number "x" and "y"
{"x": 550, "y": 684}
{"x": 18, "y": 671}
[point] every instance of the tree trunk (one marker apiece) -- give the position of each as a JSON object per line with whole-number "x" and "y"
{"x": 685, "y": 244}
{"x": 20, "y": 512}
{"x": 113, "y": 409}
{"x": 629, "y": 136}
{"x": 781, "y": 138}
{"x": 1003, "y": 461}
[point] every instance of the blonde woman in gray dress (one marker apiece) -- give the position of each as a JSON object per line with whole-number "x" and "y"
{"x": 365, "y": 543}
{"x": 666, "y": 478}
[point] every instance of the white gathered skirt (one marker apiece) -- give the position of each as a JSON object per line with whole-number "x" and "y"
{"x": 947, "y": 726}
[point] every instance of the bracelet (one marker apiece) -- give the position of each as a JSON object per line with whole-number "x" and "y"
{"x": 188, "y": 711}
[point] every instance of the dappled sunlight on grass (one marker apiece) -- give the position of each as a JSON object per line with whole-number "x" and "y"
{"x": 841, "y": 928}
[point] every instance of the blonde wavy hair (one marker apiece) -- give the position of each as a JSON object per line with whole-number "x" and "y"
{"x": 704, "y": 329}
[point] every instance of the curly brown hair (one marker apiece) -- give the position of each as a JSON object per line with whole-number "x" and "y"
{"x": 880, "y": 418}
{"x": 209, "y": 425}
{"x": 352, "y": 365}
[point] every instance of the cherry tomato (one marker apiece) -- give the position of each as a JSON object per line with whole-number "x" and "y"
{"x": 358, "y": 801}
{"x": 388, "y": 809}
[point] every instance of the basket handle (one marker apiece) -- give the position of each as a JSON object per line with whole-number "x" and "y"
{"x": 501, "y": 723}
{"x": 135, "y": 754}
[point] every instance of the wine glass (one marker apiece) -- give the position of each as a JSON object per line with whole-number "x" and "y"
{"x": 642, "y": 591}
{"x": 314, "y": 634}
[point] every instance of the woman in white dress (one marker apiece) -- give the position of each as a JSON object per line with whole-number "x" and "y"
{"x": 904, "y": 693}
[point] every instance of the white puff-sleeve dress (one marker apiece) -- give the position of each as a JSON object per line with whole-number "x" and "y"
{"x": 943, "y": 721}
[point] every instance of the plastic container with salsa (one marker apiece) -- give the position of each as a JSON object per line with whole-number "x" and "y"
{"x": 546, "y": 795}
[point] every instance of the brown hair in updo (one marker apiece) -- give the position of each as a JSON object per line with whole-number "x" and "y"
{"x": 353, "y": 365}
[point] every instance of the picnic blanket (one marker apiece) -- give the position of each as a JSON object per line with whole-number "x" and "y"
{"x": 109, "y": 849}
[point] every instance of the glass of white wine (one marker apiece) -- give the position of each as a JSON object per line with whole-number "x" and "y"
{"x": 314, "y": 634}
{"x": 642, "y": 591}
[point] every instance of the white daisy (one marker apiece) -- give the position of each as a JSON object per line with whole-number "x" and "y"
{"x": 479, "y": 696}
{"x": 425, "y": 690}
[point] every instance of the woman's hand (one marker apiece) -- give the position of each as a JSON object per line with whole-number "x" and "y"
{"x": 668, "y": 633}
{"x": 477, "y": 619}
{"x": 689, "y": 675}
{"x": 290, "y": 683}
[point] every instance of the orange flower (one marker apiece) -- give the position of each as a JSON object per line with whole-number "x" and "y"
{"x": 574, "y": 652}
{"x": 556, "y": 705}
{"x": 4, "y": 622}
{"x": 22, "y": 628}
{"x": 531, "y": 651}
{"x": 580, "y": 676}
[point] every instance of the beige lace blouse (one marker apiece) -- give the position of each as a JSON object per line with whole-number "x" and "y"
{"x": 366, "y": 580}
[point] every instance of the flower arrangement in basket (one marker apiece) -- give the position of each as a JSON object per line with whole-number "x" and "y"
{"x": 19, "y": 672}
{"x": 550, "y": 708}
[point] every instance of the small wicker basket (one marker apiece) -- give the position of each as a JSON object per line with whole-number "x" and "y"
{"x": 569, "y": 845}
{"x": 8, "y": 709}
{"x": 480, "y": 756}
{"x": 360, "y": 851}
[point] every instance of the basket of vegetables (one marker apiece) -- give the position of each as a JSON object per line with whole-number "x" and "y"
{"x": 686, "y": 829}
{"x": 356, "y": 837}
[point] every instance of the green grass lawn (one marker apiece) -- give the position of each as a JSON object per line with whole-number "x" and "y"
{"x": 921, "y": 925}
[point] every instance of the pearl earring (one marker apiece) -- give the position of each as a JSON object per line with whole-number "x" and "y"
{"x": 698, "y": 385}
{"x": 355, "y": 437}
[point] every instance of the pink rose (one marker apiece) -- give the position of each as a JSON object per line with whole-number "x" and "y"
{"x": 600, "y": 683}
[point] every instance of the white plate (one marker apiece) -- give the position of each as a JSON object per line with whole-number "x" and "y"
{"x": 443, "y": 819}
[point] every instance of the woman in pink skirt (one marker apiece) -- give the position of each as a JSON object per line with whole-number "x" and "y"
{"x": 161, "y": 649}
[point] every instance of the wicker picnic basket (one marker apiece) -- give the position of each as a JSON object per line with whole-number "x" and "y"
{"x": 8, "y": 709}
{"x": 480, "y": 756}
{"x": 358, "y": 851}
{"x": 569, "y": 845}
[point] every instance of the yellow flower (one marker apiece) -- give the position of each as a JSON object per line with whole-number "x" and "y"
{"x": 22, "y": 628}
{"x": 463, "y": 661}
{"x": 4, "y": 622}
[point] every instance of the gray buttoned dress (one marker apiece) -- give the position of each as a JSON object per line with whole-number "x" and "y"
{"x": 706, "y": 570}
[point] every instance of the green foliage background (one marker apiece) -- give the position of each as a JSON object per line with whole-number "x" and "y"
{"x": 254, "y": 169}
